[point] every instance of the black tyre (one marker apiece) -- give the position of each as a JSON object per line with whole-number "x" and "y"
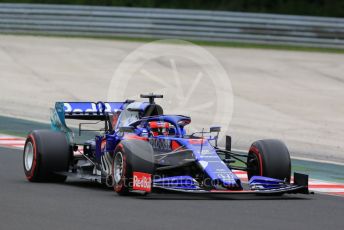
{"x": 45, "y": 153}
{"x": 131, "y": 156}
{"x": 269, "y": 158}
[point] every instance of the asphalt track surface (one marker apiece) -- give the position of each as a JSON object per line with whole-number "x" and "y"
{"x": 85, "y": 205}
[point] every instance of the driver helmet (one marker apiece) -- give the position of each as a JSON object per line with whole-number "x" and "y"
{"x": 158, "y": 128}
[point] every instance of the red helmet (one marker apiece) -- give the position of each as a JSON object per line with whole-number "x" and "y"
{"x": 158, "y": 128}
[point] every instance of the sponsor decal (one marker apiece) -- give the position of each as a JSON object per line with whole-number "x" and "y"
{"x": 206, "y": 151}
{"x": 226, "y": 177}
{"x": 142, "y": 181}
{"x": 221, "y": 170}
{"x": 209, "y": 157}
{"x": 87, "y": 107}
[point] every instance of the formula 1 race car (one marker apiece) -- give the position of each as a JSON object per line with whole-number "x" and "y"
{"x": 139, "y": 148}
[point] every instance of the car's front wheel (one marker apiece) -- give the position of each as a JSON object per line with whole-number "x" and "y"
{"x": 269, "y": 158}
{"x": 121, "y": 171}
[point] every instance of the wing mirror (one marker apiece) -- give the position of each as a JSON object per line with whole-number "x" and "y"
{"x": 215, "y": 129}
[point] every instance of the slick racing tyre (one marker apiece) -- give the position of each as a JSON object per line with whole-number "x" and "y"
{"x": 45, "y": 153}
{"x": 131, "y": 156}
{"x": 269, "y": 158}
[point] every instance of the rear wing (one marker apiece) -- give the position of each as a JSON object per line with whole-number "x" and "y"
{"x": 82, "y": 111}
{"x": 88, "y": 110}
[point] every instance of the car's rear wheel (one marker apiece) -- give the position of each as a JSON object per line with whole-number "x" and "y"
{"x": 131, "y": 156}
{"x": 45, "y": 153}
{"x": 269, "y": 158}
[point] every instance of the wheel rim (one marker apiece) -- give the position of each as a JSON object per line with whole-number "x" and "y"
{"x": 118, "y": 167}
{"x": 28, "y": 159}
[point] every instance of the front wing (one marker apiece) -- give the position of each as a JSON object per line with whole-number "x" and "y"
{"x": 299, "y": 186}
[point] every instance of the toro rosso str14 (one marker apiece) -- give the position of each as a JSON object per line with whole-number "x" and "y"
{"x": 139, "y": 148}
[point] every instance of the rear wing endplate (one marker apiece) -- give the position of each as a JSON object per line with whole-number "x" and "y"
{"x": 82, "y": 111}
